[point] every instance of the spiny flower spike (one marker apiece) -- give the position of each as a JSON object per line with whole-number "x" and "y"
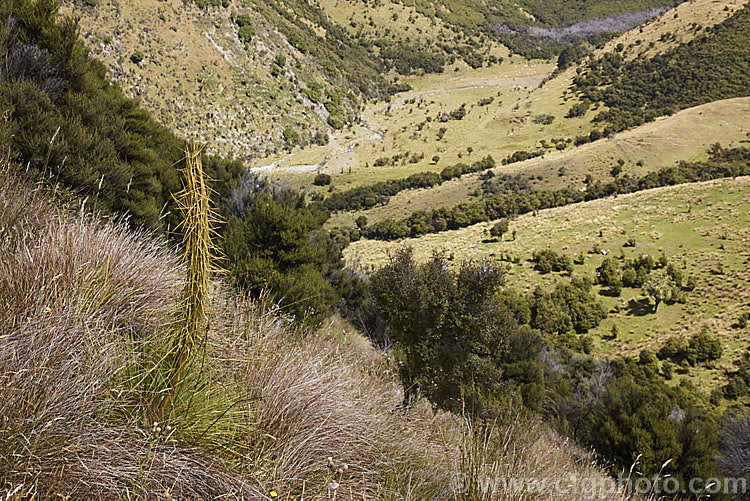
{"x": 190, "y": 327}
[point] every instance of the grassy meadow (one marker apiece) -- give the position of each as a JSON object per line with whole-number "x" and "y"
{"x": 703, "y": 228}
{"x": 686, "y": 135}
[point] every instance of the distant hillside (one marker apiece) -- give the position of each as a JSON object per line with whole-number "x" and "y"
{"x": 252, "y": 78}
{"x": 711, "y": 67}
{"x": 680, "y": 25}
{"x": 65, "y": 120}
{"x": 557, "y": 13}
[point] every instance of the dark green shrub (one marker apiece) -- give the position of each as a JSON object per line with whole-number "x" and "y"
{"x": 322, "y": 179}
{"x": 137, "y": 57}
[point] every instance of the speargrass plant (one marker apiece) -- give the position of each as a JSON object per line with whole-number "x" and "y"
{"x": 190, "y": 330}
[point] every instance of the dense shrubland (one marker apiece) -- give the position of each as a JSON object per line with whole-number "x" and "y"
{"x": 273, "y": 239}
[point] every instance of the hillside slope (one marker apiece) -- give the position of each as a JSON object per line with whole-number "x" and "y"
{"x": 704, "y": 227}
{"x": 196, "y": 76}
{"x": 517, "y": 106}
{"x": 86, "y": 304}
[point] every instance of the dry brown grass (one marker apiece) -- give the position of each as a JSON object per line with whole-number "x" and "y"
{"x": 84, "y": 305}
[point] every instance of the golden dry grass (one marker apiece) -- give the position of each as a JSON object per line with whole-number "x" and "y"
{"x": 84, "y": 305}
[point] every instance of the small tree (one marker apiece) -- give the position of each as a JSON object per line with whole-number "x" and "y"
{"x": 658, "y": 287}
{"x": 702, "y": 347}
{"x": 361, "y": 222}
{"x": 320, "y": 138}
{"x": 609, "y": 274}
{"x": 137, "y": 57}
{"x": 500, "y": 228}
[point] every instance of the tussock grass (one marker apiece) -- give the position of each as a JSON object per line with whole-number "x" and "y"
{"x": 85, "y": 310}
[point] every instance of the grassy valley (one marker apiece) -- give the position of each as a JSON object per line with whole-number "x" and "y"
{"x": 703, "y": 227}
{"x": 687, "y": 135}
{"x": 374, "y": 249}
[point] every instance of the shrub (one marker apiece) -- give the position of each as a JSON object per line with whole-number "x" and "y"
{"x": 137, "y": 57}
{"x": 246, "y": 34}
{"x": 320, "y": 138}
{"x": 699, "y": 348}
{"x": 609, "y": 274}
{"x": 459, "y": 113}
{"x": 546, "y": 261}
{"x": 500, "y": 228}
{"x": 246, "y": 31}
{"x": 291, "y": 136}
{"x": 544, "y": 119}
{"x": 577, "y": 110}
{"x": 322, "y": 179}
{"x": 457, "y": 342}
{"x": 703, "y": 347}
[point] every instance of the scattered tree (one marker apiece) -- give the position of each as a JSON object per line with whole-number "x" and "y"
{"x": 658, "y": 287}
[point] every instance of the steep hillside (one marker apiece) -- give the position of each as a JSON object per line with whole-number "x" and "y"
{"x": 404, "y": 121}
{"x": 64, "y": 119}
{"x": 195, "y": 75}
{"x": 679, "y": 25}
{"x": 270, "y": 412}
{"x": 710, "y": 67}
